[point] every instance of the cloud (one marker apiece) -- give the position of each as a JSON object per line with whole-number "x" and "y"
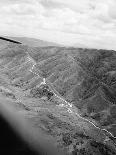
{"x": 88, "y": 19}
{"x": 22, "y": 9}
{"x": 112, "y": 9}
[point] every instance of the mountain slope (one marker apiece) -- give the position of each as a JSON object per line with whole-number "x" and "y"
{"x": 82, "y": 77}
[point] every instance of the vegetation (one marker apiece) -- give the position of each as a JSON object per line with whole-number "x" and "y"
{"x": 39, "y": 92}
{"x": 86, "y": 76}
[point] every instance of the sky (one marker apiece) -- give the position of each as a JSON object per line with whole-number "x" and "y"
{"x": 90, "y": 23}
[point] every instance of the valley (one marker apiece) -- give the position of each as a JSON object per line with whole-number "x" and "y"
{"x": 60, "y": 91}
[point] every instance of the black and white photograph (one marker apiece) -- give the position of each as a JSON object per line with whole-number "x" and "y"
{"x": 57, "y": 77}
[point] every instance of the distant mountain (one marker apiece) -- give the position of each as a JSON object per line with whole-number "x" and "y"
{"x": 33, "y": 42}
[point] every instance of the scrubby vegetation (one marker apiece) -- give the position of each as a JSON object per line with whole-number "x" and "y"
{"x": 39, "y": 92}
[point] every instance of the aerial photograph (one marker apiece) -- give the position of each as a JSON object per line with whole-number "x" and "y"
{"x": 57, "y": 77}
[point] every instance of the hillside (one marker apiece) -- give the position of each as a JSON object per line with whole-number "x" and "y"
{"x": 42, "y": 83}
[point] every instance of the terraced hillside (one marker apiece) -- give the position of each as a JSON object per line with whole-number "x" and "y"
{"x": 69, "y": 93}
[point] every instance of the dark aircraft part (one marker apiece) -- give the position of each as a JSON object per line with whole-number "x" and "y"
{"x": 10, "y": 40}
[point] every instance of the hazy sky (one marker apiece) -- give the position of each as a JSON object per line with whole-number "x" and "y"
{"x": 88, "y": 22}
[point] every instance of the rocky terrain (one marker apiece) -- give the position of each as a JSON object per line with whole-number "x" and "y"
{"x": 69, "y": 93}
